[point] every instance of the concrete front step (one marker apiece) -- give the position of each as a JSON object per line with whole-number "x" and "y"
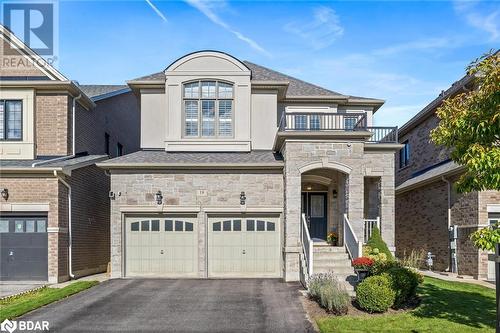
{"x": 331, "y": 256}
{"x": 333, "y": 262}
{"x": 328, "y": 248}
{"x": 334, "y": 270}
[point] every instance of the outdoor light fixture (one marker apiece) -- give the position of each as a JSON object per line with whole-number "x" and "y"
{"x": 309, "y": 188}
{"x": 5, "y": 193}
{"x": 159, "y": 198}
{"x": 334, "y": 192}
{"x": 243, "y": 198}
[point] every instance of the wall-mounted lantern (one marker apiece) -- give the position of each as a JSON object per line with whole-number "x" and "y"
{"x": 243, "y": 198}
{"x": 334, "y": 193}
{"x": 5, "y": 193}
{"x": 159, "y": 198}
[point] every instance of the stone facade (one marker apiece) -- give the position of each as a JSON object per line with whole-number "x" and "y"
{"x": 336, "y": 156}
{"x": 263, "y": 190}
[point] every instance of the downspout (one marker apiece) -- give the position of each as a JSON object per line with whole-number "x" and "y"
{"x": 70, "y": 240}
{"x": 73, "y": 139}
{"x": 448, "y": 190}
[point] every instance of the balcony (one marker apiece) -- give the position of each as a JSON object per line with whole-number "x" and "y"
{"x": 350, "y": 124}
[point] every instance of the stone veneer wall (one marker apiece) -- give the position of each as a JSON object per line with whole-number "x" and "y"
{"x": 180, "y": 189}
{"x": 43, "y": 190}
{"x": 298, "y": 154}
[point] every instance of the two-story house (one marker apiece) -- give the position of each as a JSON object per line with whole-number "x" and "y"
{"x": 54, "y": 205}
{"x": 243, "y": 171}
{"x": 430, "y": 214}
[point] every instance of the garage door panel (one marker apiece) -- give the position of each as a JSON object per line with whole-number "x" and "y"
{"x": 243, "y": 247}
{"x": 163, "y": 247}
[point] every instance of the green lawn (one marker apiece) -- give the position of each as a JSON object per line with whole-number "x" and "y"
{"x": 19, "y": 305}
{"x": 446, "y": 307}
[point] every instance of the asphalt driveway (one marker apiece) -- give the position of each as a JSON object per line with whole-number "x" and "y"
{"x": 148, "y": 305}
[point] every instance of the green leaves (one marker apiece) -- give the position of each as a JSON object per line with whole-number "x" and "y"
{"x": 470, "y": 127}
{"x": 486, "y": 238}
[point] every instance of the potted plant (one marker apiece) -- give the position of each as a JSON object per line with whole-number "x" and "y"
{"x": 362, "y": 267}
{"x": 332, "y": 238}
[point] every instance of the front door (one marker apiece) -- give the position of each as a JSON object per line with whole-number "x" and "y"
{"x": 315, "y": 208}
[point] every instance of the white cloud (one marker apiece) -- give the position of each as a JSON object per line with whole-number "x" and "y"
{"x": 322, "y": 31}
{"x": 428, "y": 44}
{"x": 157, "y": 11}
{"x": 207, "y": 8}
{"x": 489, "y": 23}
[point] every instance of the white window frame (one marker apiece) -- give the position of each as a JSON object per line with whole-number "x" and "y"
{"x": 200, "y": 100}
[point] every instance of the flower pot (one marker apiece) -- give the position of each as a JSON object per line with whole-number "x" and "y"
{"x": 362, "y": 274}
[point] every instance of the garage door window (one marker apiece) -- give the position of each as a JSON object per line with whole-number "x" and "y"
{"x": 41, "y": 226}
{"x": 19, "y": 226}
{"x": 270, "y": 226}
{"x": 4, "y": 226}
{"x": 178, "y": 226}
{"x": 134, "y": 226}
{"x": 169, "y": 225}
{"x": 30, "y": 226}
{"x": 188, "y": 226}
{"x": 237, "y": 225}
{"x": 144, "y": 225}
{"x": 250, "y": 225}
{"x": 155, "y": 225}
{"x": 226, "y": 226}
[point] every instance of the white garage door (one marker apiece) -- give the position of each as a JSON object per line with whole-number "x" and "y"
{"x": 163, "y": 247}
{"x": 244, "y": 247}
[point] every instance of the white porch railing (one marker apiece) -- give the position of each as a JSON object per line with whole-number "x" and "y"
{"x": 307, "y": 247}
{"x": 352, "y": 244}
{"x": 369, "y": 225}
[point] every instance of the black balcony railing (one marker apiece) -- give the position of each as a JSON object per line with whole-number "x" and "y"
{"x": 317, "y": 121}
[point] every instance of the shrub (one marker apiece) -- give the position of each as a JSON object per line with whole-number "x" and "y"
{"x": 362, "y": 263}
{"x": 380, "y": 267}
{"x": 404, "y": 283}
{"x": 376, "y": 243}
{"x": 375, "y": 294}
{"x": 329, "y": 293}
{"x": 415, "y": 259}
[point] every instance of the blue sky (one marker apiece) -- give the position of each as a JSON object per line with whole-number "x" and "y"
{"x": 403, "y": 52}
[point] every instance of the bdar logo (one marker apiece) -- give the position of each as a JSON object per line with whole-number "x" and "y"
{"x": 8, "y": 326}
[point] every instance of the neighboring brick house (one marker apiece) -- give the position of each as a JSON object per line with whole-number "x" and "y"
{"x": 243, "y": 171}
{"x": 427, "y": 204}
{"x": 42, "y": 236}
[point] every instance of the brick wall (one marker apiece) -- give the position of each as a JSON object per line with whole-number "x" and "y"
{"x": 44, "y": 190}
{"x": 421, "y": 222}
{"x": 118, "y": 116}
{"x": 90, "y": 221}
{"x": 423, "y": 153}
{"x": 52, "y": 124}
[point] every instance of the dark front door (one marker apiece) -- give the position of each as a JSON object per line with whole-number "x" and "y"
{"x": 23, "y": 248}
{"x": 315, "y": 209}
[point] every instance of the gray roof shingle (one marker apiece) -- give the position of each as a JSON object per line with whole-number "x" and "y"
{"x": 100, "y": 91}
{"x": 429, "y": 175}
{"x": 57, "y": 164}
{"x": 159, "y": 157}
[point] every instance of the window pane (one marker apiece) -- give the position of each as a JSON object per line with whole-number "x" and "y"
{"x": 41, "y": 226}
{"x": 178, "y": 225}
{"x": 14, "y": 119}
{"x": 350, "y": 122}
{"x": 192, "y": 90}
{"x": 30, "y": 226}
{"x": 208, "y": 118}
{"x": 4, "y": 226}
{"x": 315, "y": 123}
{"x": 225, "y": 90}
{"x": 208, "y": 89}
{"x": 261, "y": 225}
{"x": 216, "y": 226}
{"x": 144, "y": 225}
{"x": 237, "y": 225}
{"x": 250, "y": 225}
{"x": 2, "y": 120}
{"x": 225, "y": 118}
{"x": 270, "y": 226}
{"x": 226, "y": 226}
{"x": 19, "y": 226}
{"x": 301, "y": 122}
{"x": 188, "y": 226}
{"x": 191, "y": 114}
{"x": 169, "y": 225}
{"x": 155, "y": 225}
{"x": 134, "y": 226}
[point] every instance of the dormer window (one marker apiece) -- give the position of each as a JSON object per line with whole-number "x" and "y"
{"x": 208, "y": 109}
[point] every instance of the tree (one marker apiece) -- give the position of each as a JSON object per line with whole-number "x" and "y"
{"x": 470, "y": 127}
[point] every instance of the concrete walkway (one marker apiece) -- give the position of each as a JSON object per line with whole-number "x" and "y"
{"x": 10, "y": 288}
{"x": 455, "y": 278}
{"x": 96, "y": 277}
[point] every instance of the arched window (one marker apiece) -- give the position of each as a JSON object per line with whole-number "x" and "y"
{"x": 208, "y": 109}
